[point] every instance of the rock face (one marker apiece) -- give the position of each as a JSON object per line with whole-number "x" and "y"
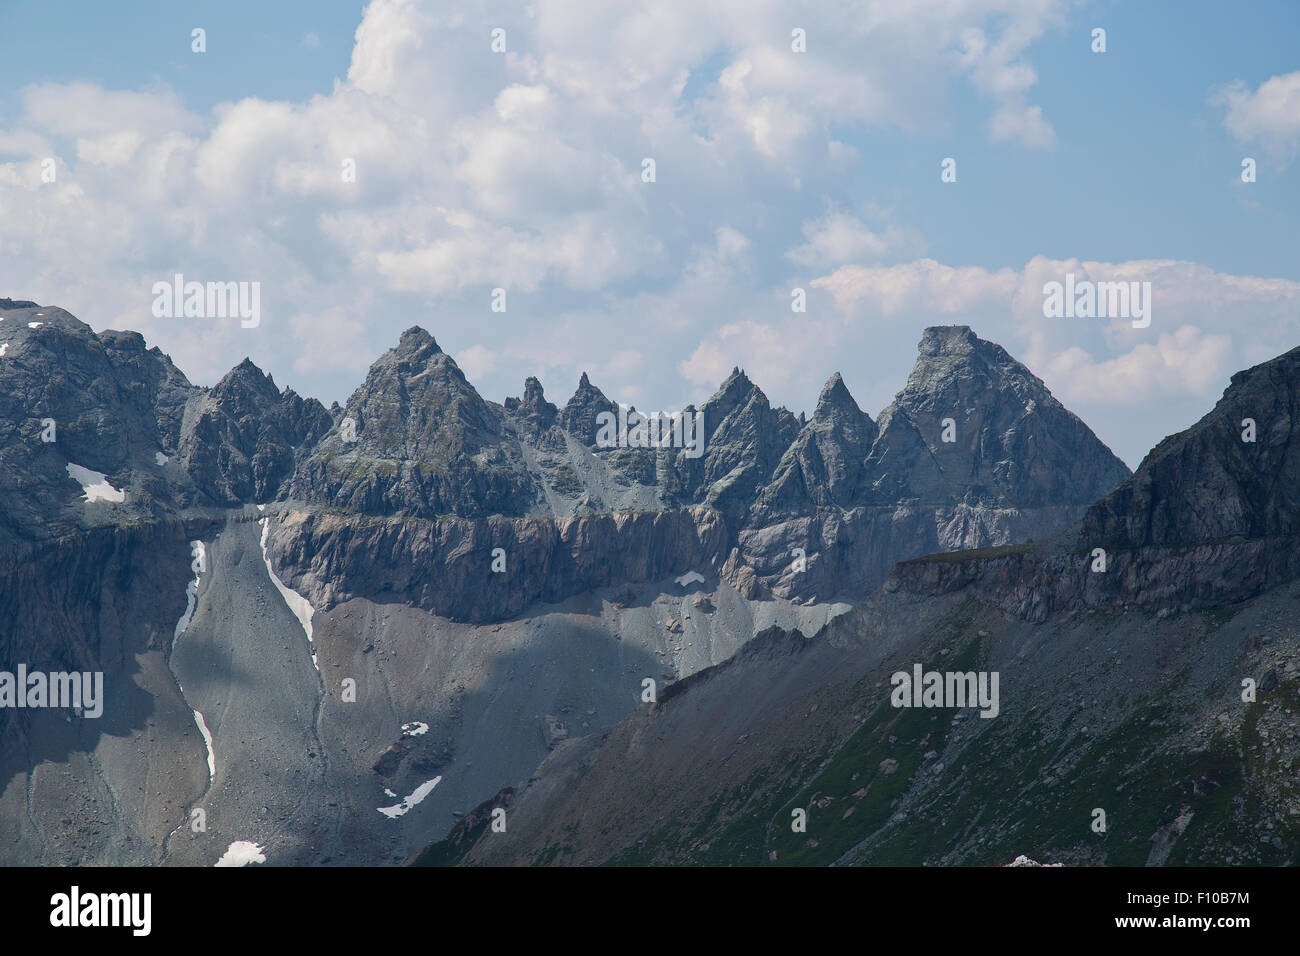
{"x": 476, "y": 566}
{"x": 824, "y": 467}
{"x": 533, "y": 412}
{"x": 581, "y": 411}
{"x": 426, "y": 444}
{"x": 244, "y": 436}
{"x": 446, "y": 566}
{"x": 69, "y": 397}
{"x": 1012, "y": 444}
{"x": 108, "y": 404}
{"x": 1208, "y": 519}
{"x": 851, "y": 498}
{"x": 1210, "y": 482}
{"x": 426, "y": 440}
{"x": 416, "y": 442}
{"x": 746, "y": 439}
{"x": 1121, "y": 686}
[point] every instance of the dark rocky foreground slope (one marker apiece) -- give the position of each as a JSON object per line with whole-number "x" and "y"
{"x": 1157, "y": 693}
{"x": 296, "y": 611}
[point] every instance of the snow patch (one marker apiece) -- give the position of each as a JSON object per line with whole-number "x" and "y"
{"x": 34, "y": 325}
{"x": 199, "y": 564}
{"x": 415, "y": 728}
{"x": 409, "y": 803}
{"x": 242, "y": 853}
{"x": 95, "y": 485}
{"x": 159, "y": 458}
{"x": 207, "y": 739}
{"x": 191, "y": 590}
{"x": 1023, "y": 860}
{"x": 298, "y": 604}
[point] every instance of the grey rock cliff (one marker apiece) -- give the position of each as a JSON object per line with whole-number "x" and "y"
{"x": 1014, "y": 443}
{"x": 417, "y": 442}
{"x": 244, "y": 436}
{"x": 823, "y": 468}
{"x": 427, "y": 444}
{"x": 852, "y": 498}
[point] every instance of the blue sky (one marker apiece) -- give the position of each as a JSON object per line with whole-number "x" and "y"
{"x": 257, "y": 48}
{"x": 775, "y": 170}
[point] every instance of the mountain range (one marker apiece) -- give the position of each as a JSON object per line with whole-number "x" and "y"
{"x": 343, "y": 632}
{"x": 1147, "y": 711}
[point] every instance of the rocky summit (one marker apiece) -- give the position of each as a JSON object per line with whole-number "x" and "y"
{"x": 348, "y": 635}
{"x": 972, "y": 425}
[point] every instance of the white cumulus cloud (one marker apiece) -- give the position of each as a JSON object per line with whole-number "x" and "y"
{"x": 1269, "y": 115}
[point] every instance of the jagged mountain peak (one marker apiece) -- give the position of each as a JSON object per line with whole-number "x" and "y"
{"x": 822, "y": 468}
{"x": 418, "y": 439}
{"x": 415, "y": 352}
{"x": 244, "y": 440}
{"x": 246, "y": 377}
{"x": 974, "y": 426}
{"x": 533, "y": 409}
{"x": 737, "y": 395}
{"x": 584, "y": 388}
{"x": 735, "y": 383}
{"x": 835, "y": 398}
{"x": 937, "y": 339}
{"x": 952, "y": 361}
{"x": 745, "y": 440}
{"x": 578, "y": 417}
{"x": 416, "y": 341}
{"x": 416, "y": 366}
{"x": 116, "y": 405}
{"x": 533, "y": 392}
{"x": 416, "y": 386}
{"x": 833, "y": 382}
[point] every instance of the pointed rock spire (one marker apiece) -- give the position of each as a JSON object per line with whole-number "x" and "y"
{"x": 578, "y": 417}
{"x": 823, "y": 466}
{"x": 417, "y": 340}
{"x": 835, "y": 398}
{"x": 972, "y": 425}
{"x": 533, "y": 410}
{"x": 429, "y": 444}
